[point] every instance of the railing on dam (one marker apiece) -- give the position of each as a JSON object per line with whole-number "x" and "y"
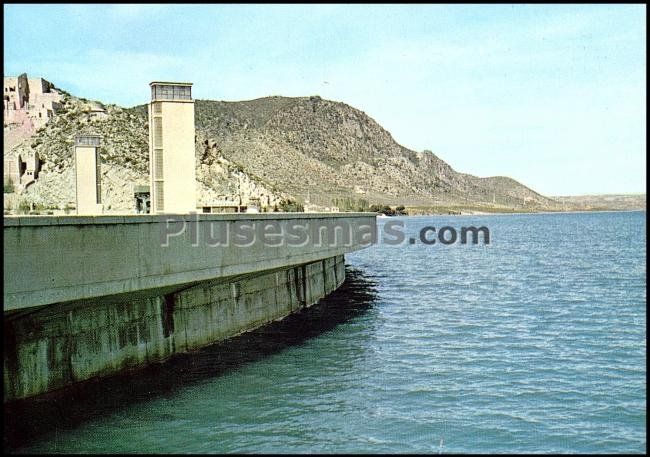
{"x": 52, "y": 259}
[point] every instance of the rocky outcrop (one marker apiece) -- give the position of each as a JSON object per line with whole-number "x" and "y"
{"x": 312, "y": 147}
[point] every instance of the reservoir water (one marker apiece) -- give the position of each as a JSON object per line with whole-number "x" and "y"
{"x": 533, "y": 343}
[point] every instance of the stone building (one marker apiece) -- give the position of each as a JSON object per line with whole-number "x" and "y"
{"x": 21, "y": 171}
{"x": 11, "y": 171}
{"x": 29, "y": 169}
{"x": 16, "y": 92}
{"x": 28, "y": 103}
{"x": 32, "y": 100}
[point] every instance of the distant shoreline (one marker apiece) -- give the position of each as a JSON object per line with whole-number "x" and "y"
{"x": 514, "y": 213}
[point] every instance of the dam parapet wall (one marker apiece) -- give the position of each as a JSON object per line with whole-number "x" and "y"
{"x": 51, "y": 259}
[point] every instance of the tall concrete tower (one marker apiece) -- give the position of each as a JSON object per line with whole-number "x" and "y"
{"x": 88, "y": 174}
{"x": 171, "y": 148}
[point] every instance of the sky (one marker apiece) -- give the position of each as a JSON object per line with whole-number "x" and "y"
{"x": 553, "y": 96}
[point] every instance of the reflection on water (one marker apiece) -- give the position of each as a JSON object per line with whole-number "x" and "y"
{"x": 62, "y": 410}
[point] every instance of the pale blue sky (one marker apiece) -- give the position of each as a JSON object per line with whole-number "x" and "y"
{"x": 553, "y": 96}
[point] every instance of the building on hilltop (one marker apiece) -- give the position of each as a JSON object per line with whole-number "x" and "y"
{"x": 28, "y": 103}
{"x": 16, "y": 92}
{"x": 29, "y": 100}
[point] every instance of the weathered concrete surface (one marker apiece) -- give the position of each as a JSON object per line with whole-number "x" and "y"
{"x": 54, "y": 346}
{"x": 51, "y": 260}
{"x": 90, "y": 296}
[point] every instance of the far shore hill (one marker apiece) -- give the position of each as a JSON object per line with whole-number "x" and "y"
{"x": 569, "y": 203}
{"x": 279, "y": 153}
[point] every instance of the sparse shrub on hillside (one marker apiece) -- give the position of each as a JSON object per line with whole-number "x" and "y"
{"x": 23, "y": 207}
{"x": 383, "y": 209}
{"x": 351, "y": 204}
{"x": 401, "y": 211}
{"x": 291, "y": 206}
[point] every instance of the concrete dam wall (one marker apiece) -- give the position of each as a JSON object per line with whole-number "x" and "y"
{"x": 56, "y": 346}
{"x": 197, "y": 294}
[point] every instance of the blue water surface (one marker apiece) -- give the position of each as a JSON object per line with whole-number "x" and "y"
{"x": 533, "y": 343}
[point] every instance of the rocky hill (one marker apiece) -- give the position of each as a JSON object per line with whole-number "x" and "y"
{"x": 328, "y": 151}
{"x": 618, "y": 202}
{"x": 125, "y": 160}
{"x": 277, "y": 149}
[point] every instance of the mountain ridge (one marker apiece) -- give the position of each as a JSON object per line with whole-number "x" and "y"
{"x": 280, "y": 150}
{"x": 366, "y": 158}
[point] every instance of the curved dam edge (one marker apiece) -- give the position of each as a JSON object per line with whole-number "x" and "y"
{"x": 51, "y": 260}
{"x": 56, "y": 346}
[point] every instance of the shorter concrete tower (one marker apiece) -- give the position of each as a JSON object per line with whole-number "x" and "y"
{"x": 171, "y": 148}
{"x": 88, "y": 174}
